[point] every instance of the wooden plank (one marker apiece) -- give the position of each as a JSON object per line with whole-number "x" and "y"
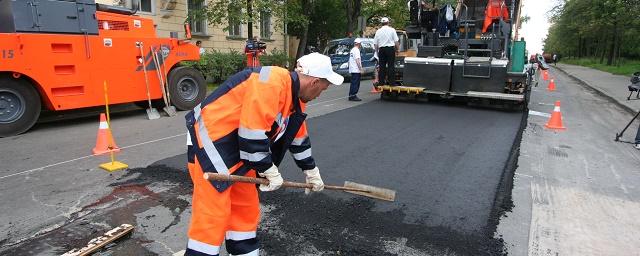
{"x": 97, "y": 243}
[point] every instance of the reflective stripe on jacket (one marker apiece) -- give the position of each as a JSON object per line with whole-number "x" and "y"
{"x": 234, "y": 129}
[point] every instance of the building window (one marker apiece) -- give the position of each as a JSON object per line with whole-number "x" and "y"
{"x": 145, "y": 5}
{"x": 234, "y": 22}
{"x": 265, "y": 25}
{"x": 197, "y": 20}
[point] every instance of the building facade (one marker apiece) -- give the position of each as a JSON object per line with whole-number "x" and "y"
{"x": 170, "y": 15}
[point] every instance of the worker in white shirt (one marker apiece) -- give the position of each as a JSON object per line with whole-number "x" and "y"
{"x": 356, "y": 70}
{"x": 199, "y": 44}
{"x": 387, "y": 45}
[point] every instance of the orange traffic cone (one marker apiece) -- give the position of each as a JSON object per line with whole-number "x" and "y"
{"x": 545, "y": 75}
{"x": 555, "y": 122}
{"x": 374, "y": 89}
{"x": 552, "y": 86}
{"x": 104, "y": 142}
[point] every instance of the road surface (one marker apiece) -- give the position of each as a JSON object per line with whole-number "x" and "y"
{"x": 446, "y": 162}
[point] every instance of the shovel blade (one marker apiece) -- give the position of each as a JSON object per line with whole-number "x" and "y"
{"x": 170, "y": 110}
{"x": 371, "y": 191}
{"x": 152, "y": 114}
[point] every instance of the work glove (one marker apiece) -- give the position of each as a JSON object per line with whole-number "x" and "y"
{"x": 275, "y": 179}
{"x": 313, "y": 177}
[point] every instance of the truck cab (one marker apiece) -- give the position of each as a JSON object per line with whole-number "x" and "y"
{"x": 57, "y": 55}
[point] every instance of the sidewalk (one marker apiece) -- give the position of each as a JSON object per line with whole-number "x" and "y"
{"x": 576, "y": 192}
{"x": 609, "y": 85}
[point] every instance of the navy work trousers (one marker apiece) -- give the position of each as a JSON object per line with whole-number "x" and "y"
{"x": 355, "y": 85}
{"x": 387, "y": 73}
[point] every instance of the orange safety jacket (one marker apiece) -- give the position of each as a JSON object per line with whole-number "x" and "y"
{"x": 249, "y": 122}
{"x": 495, "y": 9}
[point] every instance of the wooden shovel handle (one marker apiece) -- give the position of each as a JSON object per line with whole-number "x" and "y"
{"x": 245, "y": 179}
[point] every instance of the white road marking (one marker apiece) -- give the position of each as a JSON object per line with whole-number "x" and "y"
{"x": 85, "y": 157}
{"x": 327, "y": 101}
{"x": 523, "y": 175}
{"x": 536, "y": 113}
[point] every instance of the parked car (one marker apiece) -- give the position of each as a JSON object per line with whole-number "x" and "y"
{"x": 338, "y": 50}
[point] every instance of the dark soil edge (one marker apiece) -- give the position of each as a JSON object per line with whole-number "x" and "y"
{"x": 503, "y": 201}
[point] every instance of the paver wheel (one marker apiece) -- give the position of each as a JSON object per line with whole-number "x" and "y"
{"x": 187, "y": 87}
{"x": 19, "y": 106}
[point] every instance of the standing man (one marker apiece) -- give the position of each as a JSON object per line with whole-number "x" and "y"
{"x": 637, "y": 146}
{"x": 355, "y": 68}
{"x": 244, "y": 128}
{"x": 386, "y": 42}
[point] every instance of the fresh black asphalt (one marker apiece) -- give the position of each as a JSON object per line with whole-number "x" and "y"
{"x": 445, "y": 161}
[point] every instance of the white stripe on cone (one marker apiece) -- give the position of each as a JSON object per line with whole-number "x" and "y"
{"x": 104, "y": 125}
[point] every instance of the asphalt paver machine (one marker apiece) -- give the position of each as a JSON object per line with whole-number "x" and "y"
{"x": 466, "y": 52}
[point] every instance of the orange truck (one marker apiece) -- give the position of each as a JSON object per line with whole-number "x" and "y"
{"x": 56, "y": 55}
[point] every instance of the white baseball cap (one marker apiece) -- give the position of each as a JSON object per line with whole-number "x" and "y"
{"x": 318, "y": 65}
{"x": 384, "y": 20}
{"x": 357, "y": 41}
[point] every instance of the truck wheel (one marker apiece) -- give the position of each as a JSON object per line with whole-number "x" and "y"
{"x": 19, "y": 106}
{"x": 187, "y": 87}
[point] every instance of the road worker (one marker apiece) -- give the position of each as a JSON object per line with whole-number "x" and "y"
{"x": 387, "y": 46}
{"x": 356, "y": 70}
{"x": 244, "y": 128}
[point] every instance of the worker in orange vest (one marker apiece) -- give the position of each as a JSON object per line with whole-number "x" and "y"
{"x": 495, "y": 9}
{"x": 244, "y": 128}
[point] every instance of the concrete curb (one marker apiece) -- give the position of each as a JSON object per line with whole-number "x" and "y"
{"x": 600, "y": 92}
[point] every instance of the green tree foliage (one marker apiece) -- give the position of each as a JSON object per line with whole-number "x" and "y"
{"x": 313, "y": 21}
{"x": 608, "y": 30}
{"x": 327, "y": 21}
{"x": 396, "y": 10}
{"x": 294, "y": 13}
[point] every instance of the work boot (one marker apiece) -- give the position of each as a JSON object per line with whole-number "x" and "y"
{"x": 354, "y": 98}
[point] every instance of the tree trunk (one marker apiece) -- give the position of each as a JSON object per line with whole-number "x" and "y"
{"x": 353, "y": 8}
{"x": 580, "y": 47}
{"x": 306, "y": 7}
{"x": 618, "y": 46}
{"x": 250, "y": 23}
{"x": 303, "y": 42}
{"x": 612, "y": 49}
{"x": 349, "y": 5}
{"x": 602, "y": 49}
